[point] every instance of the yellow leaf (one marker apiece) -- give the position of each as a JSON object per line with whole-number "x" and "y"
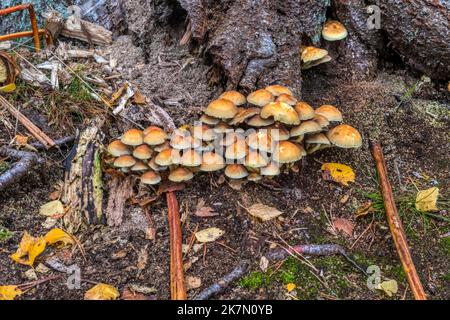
{"x": 338, "y": 172}
{"x": 209, "y": 234}
{"x": 263, "y": 212}
{"x": 8, "y": 88}
{"x": 9, "y": 292}
{"x": 116, "y": 95}
{"x": 290, "y": 287}
{"x": 390, "y": 287}
{"x": 21, "y": 140}
{"x": 52, "y": 209}
{"x": 29, "y": 249}
{"x": 59, "y": 237}
{"x": 426, "y": 199}
{"x": 102, "y": 291}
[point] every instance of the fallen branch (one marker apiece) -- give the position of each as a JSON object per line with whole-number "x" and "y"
{"x": 395, "y": 224}
{"x": 26, "y": 161}
{"x": 30, "y": 126}
{"x": 307, "y": 249}
{"x": 224, "y": 282}
{"x": 59, "y": 143}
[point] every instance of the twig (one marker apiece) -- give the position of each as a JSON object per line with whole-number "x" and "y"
{"x": 60, "y": 143}
{"x": 224, "y": 282}
{"x": 395, "y": 224}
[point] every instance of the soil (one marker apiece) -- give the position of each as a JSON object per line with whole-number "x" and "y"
{"x": 415, "y": 140}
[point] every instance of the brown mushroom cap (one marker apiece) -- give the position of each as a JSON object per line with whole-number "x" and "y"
{"x": 133, "y": 137}
{"x": 183, "y": 140}
{"x": 286, "y": 98}
{"x": 142, "y": 152}
{"x": 317, "y": 138}
{"x": 309, "y": 126}
{"x": 311, "y": 53}
{"x": 154, "y": 136}
{"x": 330, "y": 112}
{"x": 125, "y": 161}
{"x": 243, "y": 114}
{"x": 117, "y": 148}
{"x": 304, "y": 110}
{"x": 236, "y": 171}
{"x": 281, "y": 112}
{"x": 260, "y": 140}
{"x": 212, "y": 161}
{"x": 254, "y": 176}
{"x": 222, "y": 109}
{"x": 166, "y": 157}
{"x": 278, "y": 133}
{"x": 180, "y": 174}
{"x": 257, "y": 121}
{"x": 139, "y": 166}
{"x": 236, "y": 151}
{"x": 221, "y": 128}
{"x": 314, "y": 63}
{"x": 286, "y": 152}
{"x": 162, "y": 146}
{"x": 232, "y": 137}
{"x": 209, "y": 120}
{"x": 334, "y": 30}
{"x": 191, "y": 158}
{"x": 254, "y": 159}
{"x": 277, "y": 90}
{"x": 321, "y": 120}
{"x": 154, "y": 166}
{"x": 272, "y": 169}
{"x": 236, "y": 97}
{"x": 151, "y": 177}
{"x": 203, "y": 133}
{"x": 260, "y": 97}
{"x": 345, "y": 136}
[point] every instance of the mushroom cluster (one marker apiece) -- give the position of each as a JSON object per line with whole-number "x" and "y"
{"x": 250, "y": 137}
{"x": 8, "y": 69}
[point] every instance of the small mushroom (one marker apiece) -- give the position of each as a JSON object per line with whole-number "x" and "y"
{"x": 182, "y": 139}
{"x": 154, "y": 136}
{"x": 281, "y": 112}
{"x": 222, "y": 128}
{"x": 180, "y": 174}
{"x": 133, "y": 137}
{"x": 286, "y": 152}
{"x": 330, "y": 112}
{"x": 257, "y": 121}
{"x": 150, "y": 177}
{"x": 236, "y": 151}
{"x": 278, "y": 133}
{"x": 321, "y": 120}
{"x": 222, "y": 109}
{"x": 243, "y": 114}
{"x": 139, "y": 166}
{"x": 236, "y": 97}
{"x": 311, "y": 53}
{"x": 235, "y": 171}
{"x": 255, "y": 159}
{"x": 345, "y": 136}
{"x": 272, "y": 169}
{"x": 117, "y": 148}
{"x": 125, "y": 161}
{"x": 316, "y": 142}
{"x": 315, "y": 63}
{"x": 212, "y": 161}
{"x": 154, "y": 166}
{"x": 286, "y": 98}
{"x": 304, "y": 110}
{"x": 254, "y": 176}
{"x": 191, "y": 158}
{"x": 232, "y": 137}
{"x": 260, "y": 97}
{"x": 203, "y": 133}
{"x": 278, "y": 90}
{"x": 209, "y": 120}
{"x": 166, "y": 157}
{"x": 142, "y": 152}
{"x": 334, "y": 30}
{"x": 309, "y": 126}
{"x": 260, "y": 140}
{"x": 162, "y": 146}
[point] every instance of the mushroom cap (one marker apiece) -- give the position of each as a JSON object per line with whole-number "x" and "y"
{"x": 142, "y": 152}
{"x": 243, "y": 114}
{"x": 334, "y": 30}
{"x": 154, "y": 166}
{"x": 278, "y": 133}
{"x": 260, "y": 97}
{"x": 286, "y": 98}
{"x": 236, "y": 171}
{"x": 311, "y": 53}
{"x": 321, "y": 120}
{"x": 139, "y": 166}
{"x": 154, "y": 136}
{"x": 236, "y": 151}
{"x": 222, "y": 109}
{"x": 272, "y": 169}
{"x": 212, "y": 161}
{"x": 286, "y": 152}
{"x": 309, "y": 126}
{"x": 232, "y": 137}
{"x": 221, "y": 128}
{"x": 180, "y": 174}
{"x": 281, "y": 112}
{"x": 150, "y": 177}
{"x": 302, "y": 150}
{"x": 205, "y": 147}
{"x": 209, "y": 120}
{"x": 304, "y": 110}
{"x": 257, "y": 121}
{"x": 166, "y": 157}
{"x": 330, "y": 112}
{"x": 236, "y": 97}
{"x": 162, "y": 146}
{"x": 117, "y": 148}
{"x": 191, "y": 158}
{"x": 254, "y": 176}
{"x": 254, "y": 159}
{"x": 203, "y": 133}
{"x": 314, "y": 63}
{"x": 124, "y": 161}
{"x": 345, "y": 136}
{"x": 260, "y": 140}
{"x": 184, "y": 141}
{"x": 278, "y": 90}
{"x": 133, "y": 137}
{"x": 318, "y": 138}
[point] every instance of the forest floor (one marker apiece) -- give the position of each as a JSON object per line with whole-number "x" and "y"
{"x": 414, "y": 134}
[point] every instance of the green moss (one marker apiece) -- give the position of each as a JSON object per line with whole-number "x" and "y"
{"x": 446, "y": 277}
{"x": 255, "y": 280}
{"x": 4, "y": 166}
{"x": 5, "y": 234}
{"x": 78, "y": 91}
{"x": 445, "y": 245}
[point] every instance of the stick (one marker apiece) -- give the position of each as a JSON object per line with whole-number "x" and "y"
{"x": 35, "y": 131}
{"x": 395, "y": 224}
{"x": 177, "y": 282}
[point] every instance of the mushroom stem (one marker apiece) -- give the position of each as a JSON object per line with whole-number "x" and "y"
{"x": 177, "y": 282}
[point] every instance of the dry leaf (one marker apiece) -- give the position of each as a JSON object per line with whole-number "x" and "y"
{"x": 263, "y": 212}
{"x": 21, "y": 140}
{"x": 139, "y": 98}
{"x": 290, "y": 287}
{"x": 204, "y": 212}
{"x": 344, "y": 199}
{"x": 390, "y": 287}
{"x": 364, "y": 209}
{"x": 142, "y": 289}
{"x": 264, "y": 264}
{"x": 343, "y": 225}
{"x": 9, "y": 292}
{"x": 59, "y": 237}
{"x": 338, "y": 172}
{"x": 116, "y": 95}
{"x": 209, "y": 235}
{"x": 193, "y": 282}
{"x": 29, "y": 249}
{"x": 31, "y": 275}
{"x": 142, "y": 259}
{"x": 426, "y": 199}
{"x": 52, "y": 209}
{"x": 102, "y": 291}
{"x": 129, "y": 294}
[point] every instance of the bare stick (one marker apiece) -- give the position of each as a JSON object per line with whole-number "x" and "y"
{"x": 395, "y": 224}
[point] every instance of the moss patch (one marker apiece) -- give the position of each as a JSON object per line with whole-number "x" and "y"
{"x": 255, "y": 280}
{"x": 445, "y": 245}
{"x": 5, "y": 234}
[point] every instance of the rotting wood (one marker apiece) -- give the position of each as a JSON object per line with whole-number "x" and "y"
{"x": 26, "y": 161}
{"x": 395, "y": 224}
{"x": 30, "y": 126}
{"x": 83, "y": 191}
{"x": 120, "y": 190}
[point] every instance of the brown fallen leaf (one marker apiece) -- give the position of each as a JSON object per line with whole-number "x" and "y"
{"x": 193, "y": 282}
{"x": 129, "y": 294}
{"x": 343, "y": 225}
{"x": 139, "y": 98}
{"x": 263, "y": 212}
{"x": 202, "y": 211}
{"x": 364, "y": 209}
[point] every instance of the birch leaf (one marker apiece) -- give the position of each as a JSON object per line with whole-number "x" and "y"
{"x": 60, "y": 237}
{"x": 263, "y": 212}
{"x": 29, "y": 249}
{"x": 338, "y": 172}
{"x": 9, "y": 292}
{"x": 102, "y": 291}
{"x": 52, "y": 209}
{"x": 209, "y": 235}
{"x": 426, "y": 199}
{"x": 390, "y": 287}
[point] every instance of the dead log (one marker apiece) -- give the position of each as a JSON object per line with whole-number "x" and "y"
{"x": 27, "y": 160}
{"x": 120, "y": 190}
